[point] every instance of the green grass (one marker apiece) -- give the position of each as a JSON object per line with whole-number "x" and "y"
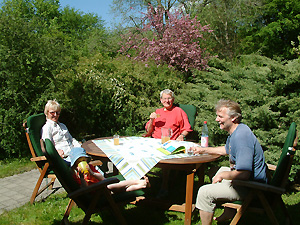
{"x": 15, "y": 166}
{"x": 51, "y": 210}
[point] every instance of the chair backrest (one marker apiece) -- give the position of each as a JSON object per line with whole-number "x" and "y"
{"x": 64, "y": 173}
{"x": 34, "y": 126}
{"x": 191, "y": 111}
{"x": 284, "y": 164}
{"x": 60, "y": 167}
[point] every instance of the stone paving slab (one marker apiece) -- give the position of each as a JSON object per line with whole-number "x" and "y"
{"x": 16, "y": 190}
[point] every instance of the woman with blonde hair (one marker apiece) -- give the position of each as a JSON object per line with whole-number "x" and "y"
{"x": 57, "y": 132}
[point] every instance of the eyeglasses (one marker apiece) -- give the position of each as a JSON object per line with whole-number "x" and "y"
{"x": 54, "y": 112}
{"x": 165, "y": 99}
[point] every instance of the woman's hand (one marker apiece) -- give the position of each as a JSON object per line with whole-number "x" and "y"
{"x": 61, "y": 153}
{"x": 88, "y": 168}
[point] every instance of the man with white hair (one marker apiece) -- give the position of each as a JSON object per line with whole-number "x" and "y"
{"x": 169, "y": 116}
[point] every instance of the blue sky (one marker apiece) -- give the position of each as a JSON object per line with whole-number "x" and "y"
{"x": 100, "y": 7}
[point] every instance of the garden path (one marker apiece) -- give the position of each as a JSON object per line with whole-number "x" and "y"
{"x": 16, "y": 190}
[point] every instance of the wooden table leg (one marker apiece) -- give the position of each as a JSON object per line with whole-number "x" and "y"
{"x": 189, "y": 198}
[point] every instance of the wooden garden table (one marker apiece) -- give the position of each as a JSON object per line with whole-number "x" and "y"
{"x": 191, "y": 165}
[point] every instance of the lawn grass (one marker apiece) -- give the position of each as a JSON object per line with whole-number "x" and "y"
{"x": 51, "y": 210}
{"x": 15, "y": 166}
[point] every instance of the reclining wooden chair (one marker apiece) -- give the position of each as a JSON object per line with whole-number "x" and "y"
{"x": 269, "y": 195}
{"x": 90, "y": 199}
{"x": 33, "y": 127}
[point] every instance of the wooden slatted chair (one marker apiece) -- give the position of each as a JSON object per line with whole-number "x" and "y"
{"x": 33, "y": 127}
{"x": 90, "y": 199}
{"x": 269, "y": 195}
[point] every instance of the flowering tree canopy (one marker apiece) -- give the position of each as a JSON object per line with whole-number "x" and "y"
{"x": 174, "y": 39}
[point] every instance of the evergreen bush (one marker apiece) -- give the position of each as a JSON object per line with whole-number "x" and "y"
{"x": 267, "y": 90}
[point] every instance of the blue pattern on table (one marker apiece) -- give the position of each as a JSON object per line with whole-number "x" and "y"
{"x": 136, "y": 156}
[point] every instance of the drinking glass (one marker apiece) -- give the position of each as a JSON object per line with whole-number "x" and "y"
{"x": 116, "y": 139}
{"x": 166, "y": 134}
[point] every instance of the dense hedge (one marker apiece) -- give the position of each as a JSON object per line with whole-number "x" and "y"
{"x": 102, "y": 95}
{"x": 267, "y": 90}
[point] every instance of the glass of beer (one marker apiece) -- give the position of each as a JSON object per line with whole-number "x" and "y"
{"x": 116, "y": 139}
{"x": 166, "y": 134}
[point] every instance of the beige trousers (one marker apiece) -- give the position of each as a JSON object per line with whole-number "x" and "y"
{"x": 210, "y": 194}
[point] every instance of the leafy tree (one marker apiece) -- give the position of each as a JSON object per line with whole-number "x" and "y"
{"x": 130, "y": 10}
{"x": 37, "y": 40}
{"x": 296, "y": 49}
{"x": 226, "y": 18}
{"x": 102, "y": 95}
{"x": 273, "y": 32}
{"x": 174, "y": 41}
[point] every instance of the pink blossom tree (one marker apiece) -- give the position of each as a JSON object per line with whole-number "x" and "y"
{"x": 170, "y": 38}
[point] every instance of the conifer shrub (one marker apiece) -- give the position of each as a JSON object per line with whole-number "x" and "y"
{"x": 267, "y": 90}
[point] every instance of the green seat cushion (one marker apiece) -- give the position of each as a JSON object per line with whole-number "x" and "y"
{"x": 284, "y": 157}
{"x": 35, "y": 124}
{"x": 191, "y": 111}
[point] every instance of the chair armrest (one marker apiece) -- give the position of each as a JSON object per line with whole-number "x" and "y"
{"x": 94, "y": 187}
{"x": 259, "y": 186}
{"x": 271, "y": 167}
{"x": 38, "y": 158}
{"x": 96, "y": 163}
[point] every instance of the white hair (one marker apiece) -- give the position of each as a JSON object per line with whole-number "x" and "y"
{"x": 167, "y": 92}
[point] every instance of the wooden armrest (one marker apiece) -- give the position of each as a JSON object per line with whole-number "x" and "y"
{"x": 96, "y": 163}
{"x": 94, "y": 187}
{"x": 38, "y": 158}
{"x": 271, "y": 167}
{"x": 259, "y": 186}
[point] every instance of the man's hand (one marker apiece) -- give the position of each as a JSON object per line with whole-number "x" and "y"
{"x": 197, "y": 150}
{"x": 210, "y": 150}
{"x": 153, "y": 116}
{"x": 180, "y": 138}
{"x": 218, "y": 178}
{"x": 231, "y": 175}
